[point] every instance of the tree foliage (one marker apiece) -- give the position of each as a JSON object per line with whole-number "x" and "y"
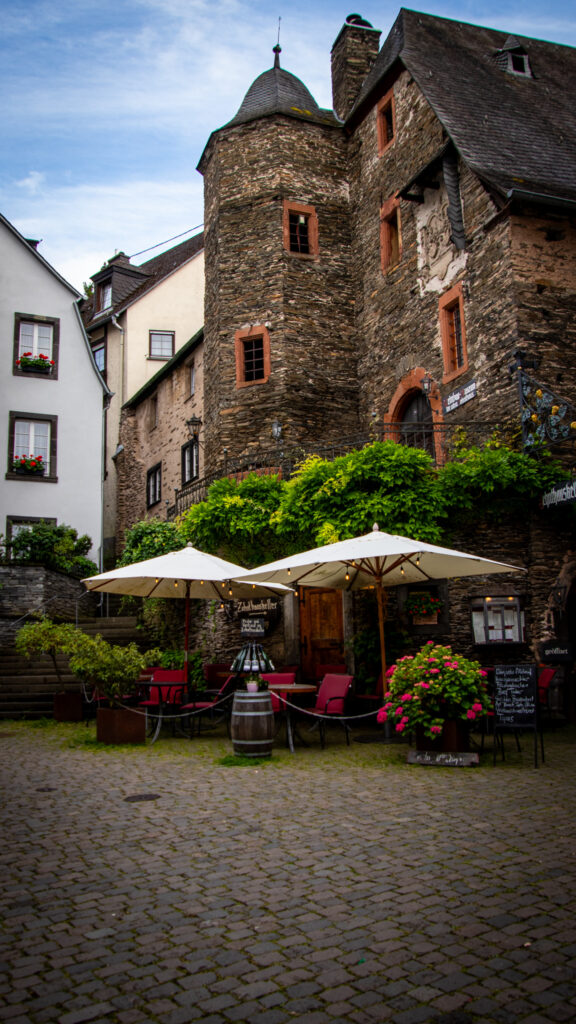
{"x": 235, "y": 521}
{"x": 55, "y": 547}
{"x": 150, "y": 538}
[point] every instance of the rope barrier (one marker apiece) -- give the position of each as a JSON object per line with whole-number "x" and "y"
{"x": 296, "y": 707}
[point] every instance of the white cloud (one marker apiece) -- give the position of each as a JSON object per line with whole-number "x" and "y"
{"x": 32, "y": 183}
{"x": 83, "y": 226}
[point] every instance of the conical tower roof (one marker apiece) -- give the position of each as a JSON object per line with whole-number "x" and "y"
{"x": 279, "y": 92}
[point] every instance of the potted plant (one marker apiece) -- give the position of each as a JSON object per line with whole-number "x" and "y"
{"x": 433, "y": 693}
{"x": 49, "y": 638}
{"x": 423, "y": 607}
{"x": 39, "y": 363}
{"x": 112, "y": 671}
{"x": 28, "y": 464}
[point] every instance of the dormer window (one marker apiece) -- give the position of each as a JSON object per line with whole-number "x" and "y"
{"x": 513, "y": 58}
{"x": 105, "y": 295}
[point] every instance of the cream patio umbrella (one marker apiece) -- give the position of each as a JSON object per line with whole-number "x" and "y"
{"x": 374, "y": 561}
{"x": 185, "y": 574}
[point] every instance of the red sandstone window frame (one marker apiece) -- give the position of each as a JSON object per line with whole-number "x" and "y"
{"x": 390, "y": 235}
{"x": 244, "y": 349}
{"x": 289, "y": 209}
{"x": 453, "y": 332}
{"x": 386, "y": 121}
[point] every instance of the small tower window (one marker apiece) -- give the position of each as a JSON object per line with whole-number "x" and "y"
{"x": 300, "y": 229}
{"x": 385, "y": 122}
{"x": 252, "y": 349}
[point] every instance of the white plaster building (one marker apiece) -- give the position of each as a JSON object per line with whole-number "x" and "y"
{"x": 52, "y": 398}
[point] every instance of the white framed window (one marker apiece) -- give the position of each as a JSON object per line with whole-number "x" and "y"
{"x": 36, "y": 345}
{"x": 190, "y": 461}
{"x": 497, "y": 620}
{"x": 32, "y": 437}
{"x": 105, "y": 295}
{"x": 99, "y": 353}
{"x": 35, "y": 338}
{"x": 161, "y": 344}
{"x": 154, "y": 485}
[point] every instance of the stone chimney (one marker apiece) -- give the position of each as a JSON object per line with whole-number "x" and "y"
{"x": 353, "y": 54}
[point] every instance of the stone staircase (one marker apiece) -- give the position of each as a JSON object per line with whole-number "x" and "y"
{"x": 28, "y": 685}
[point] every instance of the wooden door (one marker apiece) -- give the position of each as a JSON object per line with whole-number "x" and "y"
{"x": 321, "y": 629}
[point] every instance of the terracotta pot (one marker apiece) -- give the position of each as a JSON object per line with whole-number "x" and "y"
{"x": 454, "y": 738}
{"x": 120, "y": 725}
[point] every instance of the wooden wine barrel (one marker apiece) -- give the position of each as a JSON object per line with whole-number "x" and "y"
{"x": 252, "y": 724}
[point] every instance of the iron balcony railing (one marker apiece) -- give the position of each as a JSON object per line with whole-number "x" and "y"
{"x": 440, "y": 440}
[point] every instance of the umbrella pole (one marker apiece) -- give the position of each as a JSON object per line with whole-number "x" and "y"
{"x": 381, "y": 618}
{"x": 186, "y": 632}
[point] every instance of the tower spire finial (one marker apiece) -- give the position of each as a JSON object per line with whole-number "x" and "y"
{"x": 277, "y": 50}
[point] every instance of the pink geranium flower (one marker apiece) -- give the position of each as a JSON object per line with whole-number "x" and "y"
{"x": 436, "y": 729}
{"x": 471, "y": 714}
{"x": 381, "y": 716}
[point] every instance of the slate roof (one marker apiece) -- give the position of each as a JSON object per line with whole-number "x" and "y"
{"x": 516, "y": 132}
{"x": 131, "y": 282}
{"x": 279, "y": 92}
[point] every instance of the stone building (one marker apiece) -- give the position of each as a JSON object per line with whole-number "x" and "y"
{"x": 384, "y": 265}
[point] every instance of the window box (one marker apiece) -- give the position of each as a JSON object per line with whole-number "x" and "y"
{"x": 32, "y": 466}
{"x": 38, "y": 364}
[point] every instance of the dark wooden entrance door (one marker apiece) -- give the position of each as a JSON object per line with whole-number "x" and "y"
{"x": 321, "y": 629}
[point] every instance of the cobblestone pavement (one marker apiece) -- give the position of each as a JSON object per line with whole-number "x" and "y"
{"x": 327, "y": 886}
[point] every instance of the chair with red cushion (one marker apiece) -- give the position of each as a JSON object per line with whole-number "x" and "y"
{"x": 164, "y": 694}
{"x": 331, "y": 703}
{"x": 218, "y": 708}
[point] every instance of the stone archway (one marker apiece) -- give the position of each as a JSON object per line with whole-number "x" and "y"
{"x": 412, "y": 415}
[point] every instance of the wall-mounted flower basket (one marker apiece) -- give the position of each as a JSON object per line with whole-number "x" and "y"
{"x": 423, "y": 607}
{"x": 35, "y": 364}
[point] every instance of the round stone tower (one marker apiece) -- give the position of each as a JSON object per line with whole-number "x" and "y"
{"x": 279, "y": 340}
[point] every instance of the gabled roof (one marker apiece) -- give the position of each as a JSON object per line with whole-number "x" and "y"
{"x": 32, "y": 249}
{"x": 130, "y": 282}
{"x": 517, "y": 132}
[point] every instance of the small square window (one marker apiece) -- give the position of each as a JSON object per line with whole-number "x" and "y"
{"x": 17, "y": 524}
{"x": 300, "y": 229}
{"x": 390, "y": 235}
{"x": 36, "y": 344}
{"x": 497, "y": 620}
{"x": 190, "y": 461}
{"x": 386, "y": 122}
{"x": 154, "y": 485}
{"x": 161, "y": 344}
{"x": 453, "y": 332}
{"x": 252, "y": 349}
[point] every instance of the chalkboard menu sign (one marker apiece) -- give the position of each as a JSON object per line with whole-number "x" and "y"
{"x": 515, "y": 696}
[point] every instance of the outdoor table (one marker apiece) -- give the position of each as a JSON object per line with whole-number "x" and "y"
{"x": 169, "y": 696}
{"x": 285, "y": 691}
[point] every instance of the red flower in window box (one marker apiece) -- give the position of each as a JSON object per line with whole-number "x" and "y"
{"x": 41, "y": 363}
{"x": 28, "y": 464}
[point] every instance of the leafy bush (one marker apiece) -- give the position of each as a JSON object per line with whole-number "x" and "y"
{"x": 150, "y": 538}
{"x": 45, "y": 637}
{"x": 55, "y": 547}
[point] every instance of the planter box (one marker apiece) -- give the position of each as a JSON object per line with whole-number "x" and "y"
{"x": 455, "y": 738}
{"x": 425, "y": 620}
{"x": 120, "y": 725}
{"x": 29, "y": 472}
{"x": 68, "y": 707}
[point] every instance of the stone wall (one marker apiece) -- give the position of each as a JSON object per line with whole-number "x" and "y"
{"x": 153, "y": 430}
{"x": 32, "y": 588}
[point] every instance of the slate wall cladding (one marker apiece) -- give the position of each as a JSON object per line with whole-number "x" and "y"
{"x": 398, "y": 319}
{"x": 27, "y": 588}
{"x": 306, "y": 303}
{"x": 353, "y": 54}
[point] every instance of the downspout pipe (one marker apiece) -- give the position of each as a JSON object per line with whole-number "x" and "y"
{"x": 122, "y": 367}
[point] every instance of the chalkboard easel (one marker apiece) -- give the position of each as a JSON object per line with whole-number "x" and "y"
{"x": 516, "y": 705}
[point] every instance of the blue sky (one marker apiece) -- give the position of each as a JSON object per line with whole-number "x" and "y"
{"x": 107, "y": 104}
